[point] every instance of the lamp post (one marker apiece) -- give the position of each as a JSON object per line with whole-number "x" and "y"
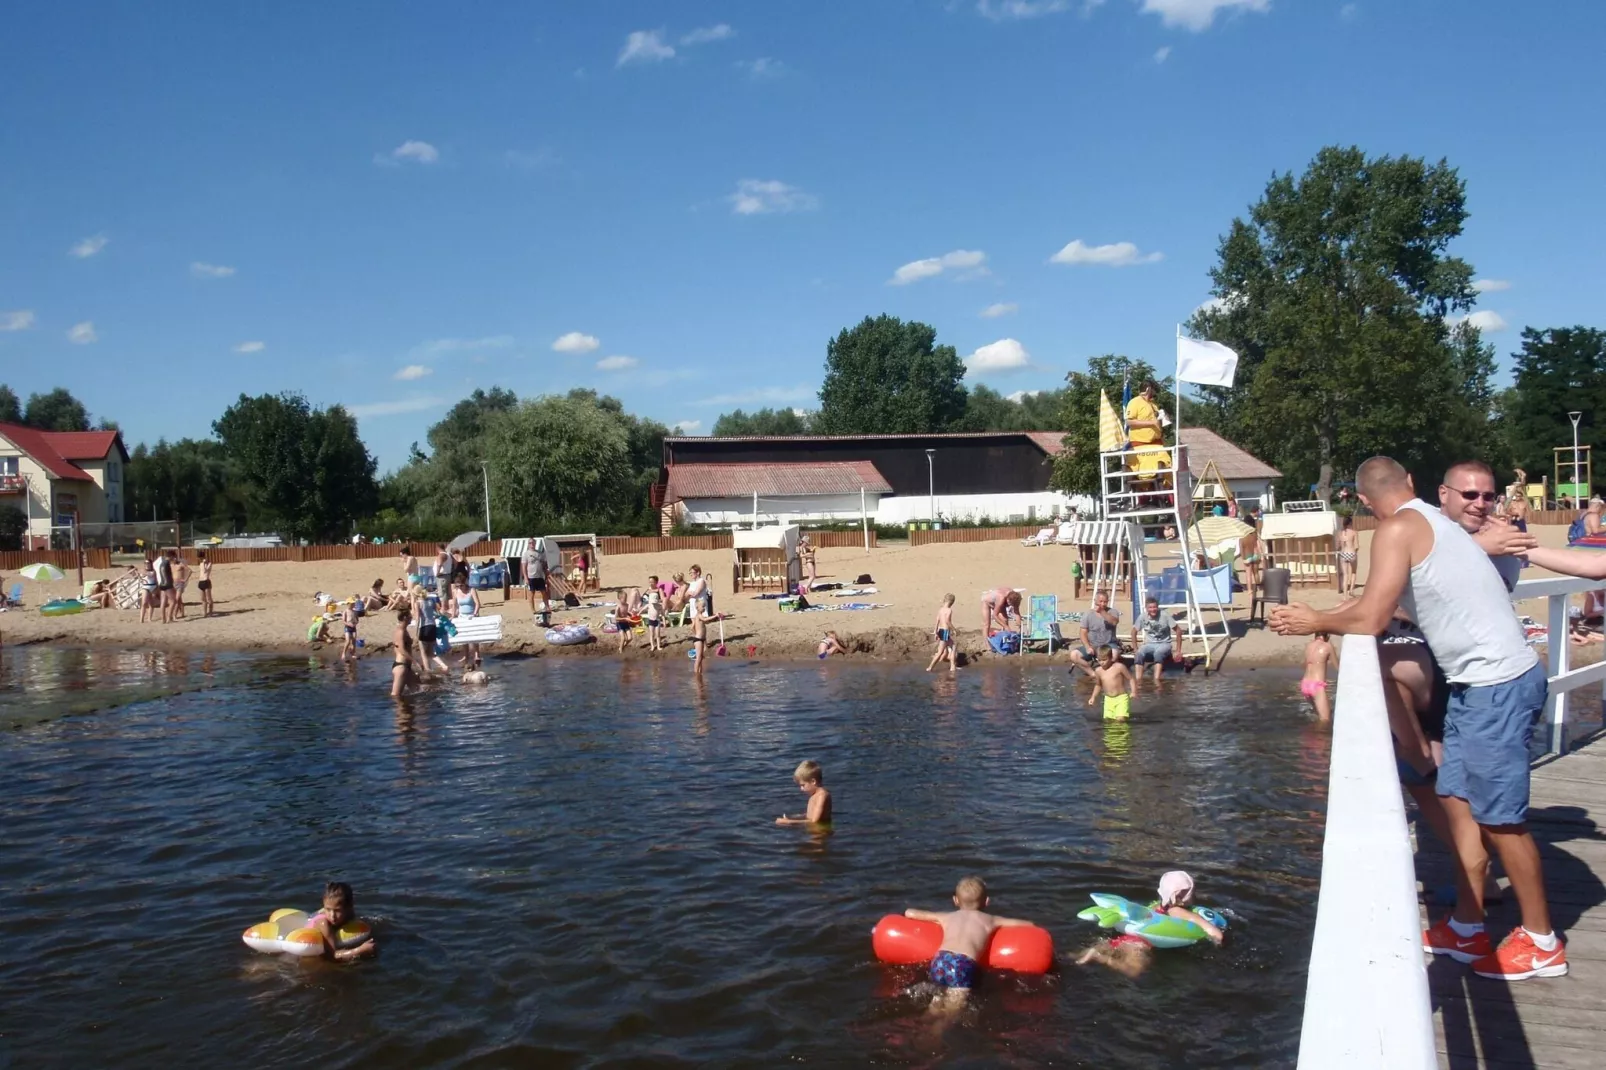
{"x": 931, "y": 486}
{"x": 486, "y": 474}
{"x": 1575, "y": 417}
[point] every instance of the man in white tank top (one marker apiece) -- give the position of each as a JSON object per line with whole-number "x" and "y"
{"x": 1425, "y": 562}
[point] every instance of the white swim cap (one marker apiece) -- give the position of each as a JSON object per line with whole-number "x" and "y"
{"x": 1176, "y": 887}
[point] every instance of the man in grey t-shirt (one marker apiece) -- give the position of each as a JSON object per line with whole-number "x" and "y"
{"x": 1156, "y": 638}
{"x": 1098, "y": 629}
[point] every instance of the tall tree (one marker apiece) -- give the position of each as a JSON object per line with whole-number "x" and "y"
{"x": 13, "y": 527}
{"x": 190, "y": 478}
{"x": 886, "y": 376}
{"x": 56, "y": 411}
{"x": 10, "y": 407}
{"x": 306, "y": 469}
{"x": 1558, "y": 370}
{"x": 1076, "y": 469}
{"x": 1334, "y": 292}
{"x": 762, "y": 422}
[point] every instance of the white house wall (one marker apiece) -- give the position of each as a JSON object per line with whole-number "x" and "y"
{"x": 728, "y": 511}
{"x": 1028, "y": 507}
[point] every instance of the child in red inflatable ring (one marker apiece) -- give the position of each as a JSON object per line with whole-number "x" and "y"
{"x": 965, "y": 933}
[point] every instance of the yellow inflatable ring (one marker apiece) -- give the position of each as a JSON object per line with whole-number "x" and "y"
{"x": 287, "y": 932}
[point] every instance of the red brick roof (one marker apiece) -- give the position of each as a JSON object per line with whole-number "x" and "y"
{"x": 1053, "y": 442}
{"x": 86, "y": 445}
{"x": 1231, "y": 461}
{"x": 778, "y": 480}
{"x": 38, "y": 445}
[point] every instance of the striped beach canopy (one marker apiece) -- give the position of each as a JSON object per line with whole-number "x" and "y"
{"x": 1112, "y": 435}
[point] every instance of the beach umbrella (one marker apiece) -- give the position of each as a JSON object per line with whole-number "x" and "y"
{"x": 467, "y": 539}
{"x": 1217, "y": 529}
{"x": 1112, "y": 436}
{"x": 42, "y": 573}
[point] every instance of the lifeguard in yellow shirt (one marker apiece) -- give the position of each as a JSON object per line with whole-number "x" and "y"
{"x": 1145, "y": 432}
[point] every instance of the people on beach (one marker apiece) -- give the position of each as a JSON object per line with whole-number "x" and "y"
{"x": 349, "y": 619}
{"x": 581, "y": 575}
{"x": 1349, "y": 541}
{"x": 465, "y": 604}
{"x": 181, "y": 580}
{"x": 1128, "y": 954}
{"x": 374, "y": 599}
{"x": 474, "y": 676}
{"x": 1319, "y": 654}
{"x": 805, "y": 554}
{"x": 1250, "y": 548}
{"x": 698, "y": 593}
{"x": 1114, "y": 681}
{"x": 443, "y": 574}
{"x": 426, "y": 612}
{"x": 204, "y": 584}
{"x": 1428, "y": 563}
{"x": 535, "y": 579}
{"x": 944, "y": 632}
{"x": 653, "y": 615}
{"x": 162, "y": 566}
{"x": 339, "y": 908}
{"x": 1000, "y": 606}
{"x": 402, "y": 677}
{"x": 401, "y": 596}
{"x": 150, "y": 594}
{"x": 99, "y": 594}
{"x": 1098, "y": 630}
{"x": 810, "y": 779}
{"x": 830, "y": 644}
{"x": 966, "y": 931}
{"x": 1156, "y": 639}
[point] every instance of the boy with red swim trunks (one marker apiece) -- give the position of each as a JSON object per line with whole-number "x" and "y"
{"x": 965, "y": 933}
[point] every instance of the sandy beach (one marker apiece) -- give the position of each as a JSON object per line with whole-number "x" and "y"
{"x": 267, "y": 607}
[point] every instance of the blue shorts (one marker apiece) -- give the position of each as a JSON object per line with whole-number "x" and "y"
{"x": 1486, "y": 734}
{"x": 953, "y": 970}
{"x": 1156, "y": 653}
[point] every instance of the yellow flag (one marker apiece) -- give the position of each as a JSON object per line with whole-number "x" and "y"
{"x": 1112, "y": 436}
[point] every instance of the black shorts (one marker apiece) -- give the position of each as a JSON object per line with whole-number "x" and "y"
{"x": 204, "y": 585}
{"x": 537, "y": 583}
{"x": 168, "y": 586}
{"x": 426, "y": 634}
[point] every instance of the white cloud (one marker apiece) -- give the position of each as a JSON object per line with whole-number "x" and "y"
{"x": 421, "y": 151}
{"x": 971, "y": 261}
{"x": 706, "y": 34}
{"x": 1162, "y": 53}
{"x": 1349, "y": 12}
{"x": 687, "y": 427}
{"x": 1116, "y": 254}
{"x": 755, "y": 196}
{"x": 768, "y": 395}
{"x": 1002, "y": 308}
{"x": 763, "y": 67}
{"x": 1004, "y": 355}
{"x": 89, "y": 247}
{"x": 645, "y": 46}
{"x": 411, "y": 372}
{"x": 1197, "y": 15}
{"x": 1489, "y": 286}
{"x": 394, "y": 408}
{"x": 1021, "y": 395}
{"x": 20, "y": 320}
{"x": 1487, "y": 320}
{"x": 210, "y": 271}
{"x": 576, "y": 342}
{"x": 461, "y": 345}
{"x": 250, "y": 347}
{"x": 81, "y": 334}
{"x": 617, "y": 363}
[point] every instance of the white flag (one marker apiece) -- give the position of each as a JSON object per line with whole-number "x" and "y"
{"x": 1207, "y": 363}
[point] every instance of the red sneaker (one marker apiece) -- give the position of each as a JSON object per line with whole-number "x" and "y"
{"x": 1519, "y": 958}
{"x": 1440, "y": 939}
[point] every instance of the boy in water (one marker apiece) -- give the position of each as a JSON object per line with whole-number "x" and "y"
{"x": 811, "y": 781}
{"x": 1318, "y": 653}
{"x": 339, "y": 908}
{"x": 1130, "y": 955}
{"x": 965, "y": 933}
{"x": 348, "y": 619}
{"x": 1112, "y": 679}
{"x": 945, "y": 636}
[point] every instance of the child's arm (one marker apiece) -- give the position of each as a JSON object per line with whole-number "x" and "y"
{"x": 926, "y": 915}
{"x": 1011, "y": 923}
{"x": 1184, "y": 914}
{"x": 1127, "y": 683}
{"x": 1098, "y": 688}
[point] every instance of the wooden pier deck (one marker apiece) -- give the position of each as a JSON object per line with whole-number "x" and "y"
{"x": 1539, "y": 1024}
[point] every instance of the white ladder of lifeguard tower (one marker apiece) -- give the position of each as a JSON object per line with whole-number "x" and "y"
{"x": 1141, "y": 499}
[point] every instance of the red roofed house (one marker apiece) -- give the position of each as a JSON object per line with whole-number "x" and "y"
{"x": 51, "y": 474}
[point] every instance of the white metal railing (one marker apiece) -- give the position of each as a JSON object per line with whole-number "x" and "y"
{"x": 1563, "y": 678}
{"x": 1366, "y": 997}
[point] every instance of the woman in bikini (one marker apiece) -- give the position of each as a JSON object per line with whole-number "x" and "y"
{"x": 1349, "y": 541}
{"x": 402, "y": 677}
{"x": 205, "y": 584}
{"x": 1250, "y": 545}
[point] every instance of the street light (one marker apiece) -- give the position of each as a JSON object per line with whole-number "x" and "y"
{"x": 1575, "y": 417}
{"x": 486, "y": 474}
{"x": 931, "y": 485}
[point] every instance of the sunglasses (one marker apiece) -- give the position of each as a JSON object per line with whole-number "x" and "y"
{"x": 1489, "y": 497}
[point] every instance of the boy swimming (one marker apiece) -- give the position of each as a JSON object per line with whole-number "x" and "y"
{"x": 944, "y": 631}
{"x": 339, "y": 908}
{"x": 811, "y": 781}
{"x": 965, "y": 933}
{"x": 1318, "y": 652}
{"x": 1114, "y": 681}
{"x": 1130, "y": 955}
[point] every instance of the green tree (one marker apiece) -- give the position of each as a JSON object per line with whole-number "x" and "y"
{"x": 988, "y": 410}
{"x": 306, "y": 469}
{"x": 762, "y": 422}
{"x": 886, "y": 376}
{"x": 190, "y": 479}
{"x": 56, "y": 411}
{"x": 1559, "y": 370}
{"x": 1334, "y": 292}
{"x": 1076, "y": 469}
{"x": 10, "y": 407}
{"x": 13, "y": 527}
{"x": 568, "y": 457}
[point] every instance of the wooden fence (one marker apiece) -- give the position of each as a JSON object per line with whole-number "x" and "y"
{"x": 920, "y": 537}
{"x": 11, "y": 560}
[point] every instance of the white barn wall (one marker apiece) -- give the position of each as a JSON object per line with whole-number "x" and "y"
{"x": 728, "y": 511}
{"x": 1039, "y": 505}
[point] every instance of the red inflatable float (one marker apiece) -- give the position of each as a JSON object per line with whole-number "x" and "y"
{"x": 906, "y": 942}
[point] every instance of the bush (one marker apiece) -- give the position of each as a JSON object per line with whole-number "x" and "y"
{"x": 13, "y": 527}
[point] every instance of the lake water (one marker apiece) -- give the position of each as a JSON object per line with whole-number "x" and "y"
{"x": 578, "y": 865}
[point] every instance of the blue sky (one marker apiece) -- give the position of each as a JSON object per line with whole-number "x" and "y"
{"x": 386, "y": 205}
